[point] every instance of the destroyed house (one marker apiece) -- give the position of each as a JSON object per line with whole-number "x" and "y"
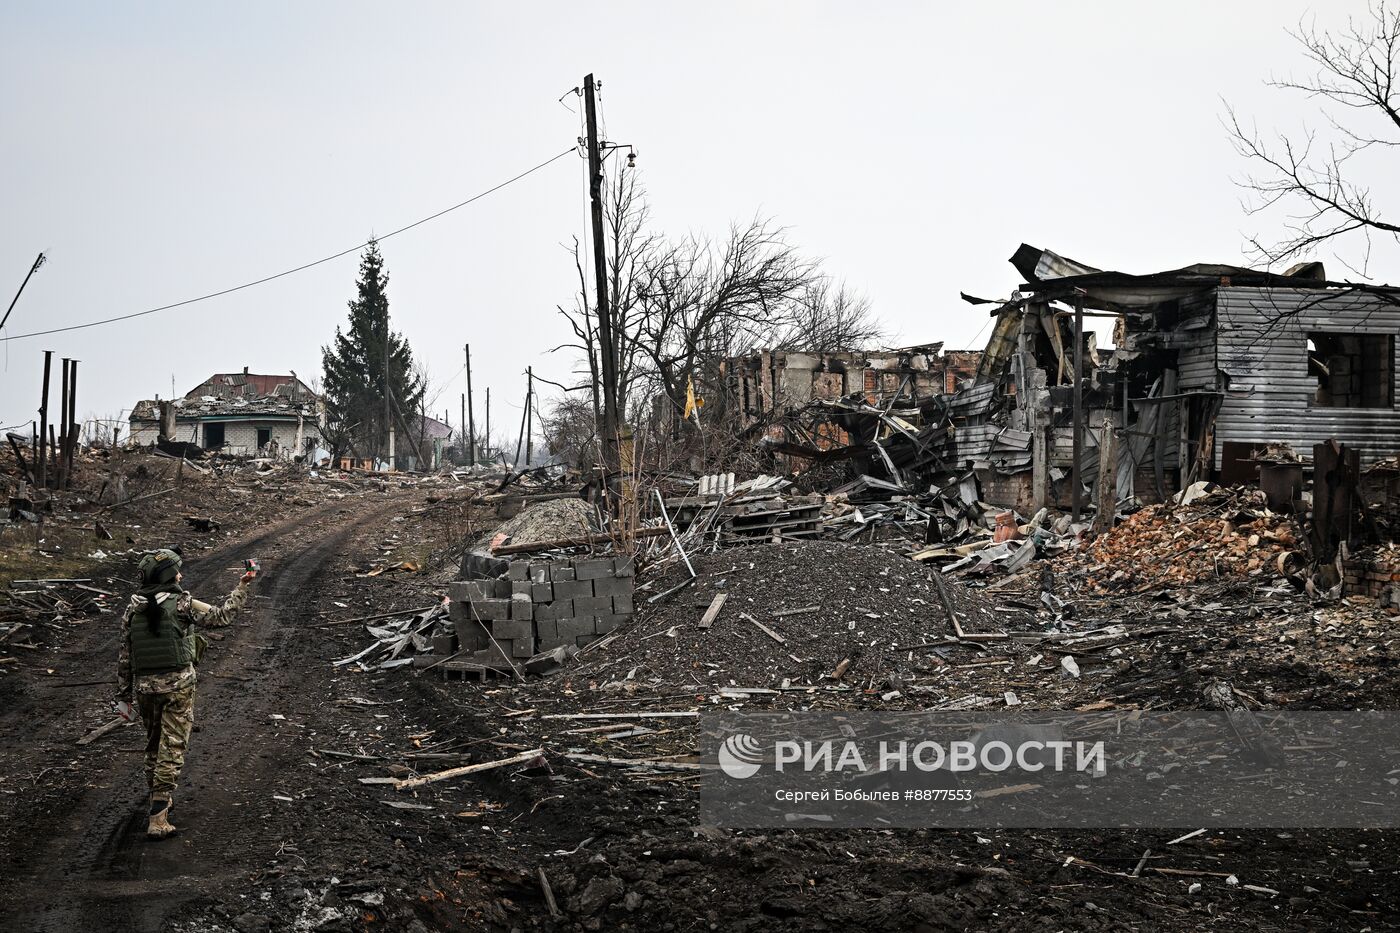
{"x": 240, "y": 414}
{"x": 770, "y": 383}
{"x": 1213, "y": 366}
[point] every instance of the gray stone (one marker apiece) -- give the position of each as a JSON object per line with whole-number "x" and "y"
{"x": 520, "y": 588}
{"x": 564, "y": 573}
{"x": 539, "y": 572}
{"x": 542, "y": 592}
{"x": 520, "y": 570}
{"x": 523, "y": 629}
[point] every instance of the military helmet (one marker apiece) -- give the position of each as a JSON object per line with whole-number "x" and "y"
{"x": 159, "y": 566}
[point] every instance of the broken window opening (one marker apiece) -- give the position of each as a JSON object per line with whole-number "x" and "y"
{"x": 1352, "y": 370}
{"x": 264, "y": 437}
{"x": 213, "y": 436}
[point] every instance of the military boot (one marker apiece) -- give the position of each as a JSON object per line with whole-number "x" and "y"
{"x": 160, "y": 826}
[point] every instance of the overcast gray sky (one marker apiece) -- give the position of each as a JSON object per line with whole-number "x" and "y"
{"x": 162, "y": 151}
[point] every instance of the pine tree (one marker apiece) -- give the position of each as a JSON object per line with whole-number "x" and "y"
{"x": 354, "y": 366}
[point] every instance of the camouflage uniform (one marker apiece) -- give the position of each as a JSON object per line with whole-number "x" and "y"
{"x": 166, "y": 701}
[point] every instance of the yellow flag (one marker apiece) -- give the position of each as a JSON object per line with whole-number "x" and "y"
{"x": 693, "y": 403}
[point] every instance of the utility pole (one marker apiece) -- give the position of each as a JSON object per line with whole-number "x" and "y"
{"x": 488, "y": 423}
{"x": 32, "y": 269}
{"x": 42, "y": 446}
{"x": 462, "y": 434}
{"x": 72, "y": 422}
{"x": 607, "y": 361}
{"x": 388, "y": 424}
{"x": 524, "y": 422}
{"x": 529, "y": 415}
{"x": 60, "y": 461}
{"x": 471, "y": 413}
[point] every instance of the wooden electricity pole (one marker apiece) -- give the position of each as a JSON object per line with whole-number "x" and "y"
{"x": 607, "y": 361}
{"x": 488, "y": 423}
{"x": 471, "y": 413}
{"x": 41, "y": 448}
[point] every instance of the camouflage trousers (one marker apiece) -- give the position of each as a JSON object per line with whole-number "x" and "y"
{"x": 169, "y": 719}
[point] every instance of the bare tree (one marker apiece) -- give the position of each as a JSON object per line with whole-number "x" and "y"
{"x": 1317, "y": 179}
{"x": 629, "y": 243}
{"x": 831, "y": 318}
{"x": 701, "y": 303}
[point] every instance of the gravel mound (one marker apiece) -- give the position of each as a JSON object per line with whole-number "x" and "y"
{"x": 872, "y": 606}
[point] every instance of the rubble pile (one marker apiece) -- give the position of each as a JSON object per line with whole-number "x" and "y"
{"x": 1225, "y": 533}
{"x": 800, "y": 613}
{"x": 548, "y": 520}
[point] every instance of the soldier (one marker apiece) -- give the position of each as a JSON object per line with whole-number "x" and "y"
{"x": 159, "y": 651}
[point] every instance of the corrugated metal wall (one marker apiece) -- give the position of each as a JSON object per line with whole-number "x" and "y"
{"x": 1261, "y": 350}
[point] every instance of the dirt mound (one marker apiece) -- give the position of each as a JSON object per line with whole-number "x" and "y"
{"x": 1224, "y": 534}
{"x": 866, "y": 604}
{"x": 549, "y": 520}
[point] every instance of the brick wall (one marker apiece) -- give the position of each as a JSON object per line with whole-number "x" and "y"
{"x": 541, "y": 605}
{"x": 1375, "y": 576}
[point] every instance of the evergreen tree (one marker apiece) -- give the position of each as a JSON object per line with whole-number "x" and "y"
{"x": 354, "y": 366}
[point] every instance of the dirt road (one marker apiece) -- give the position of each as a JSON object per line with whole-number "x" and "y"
{"x": 75, "y": 853}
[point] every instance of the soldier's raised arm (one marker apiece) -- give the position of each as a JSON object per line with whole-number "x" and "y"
{"x": 212, "y": 616}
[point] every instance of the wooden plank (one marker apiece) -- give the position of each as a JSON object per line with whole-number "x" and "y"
{"x": 671, "y": 714}
{"x": 529, "y": 546}
{"x": 409, "y": 783}
{"x": 764, "y": 629}
{"x": 711, "y": 613}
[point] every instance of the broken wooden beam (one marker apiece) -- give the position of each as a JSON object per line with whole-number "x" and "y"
{"x": 712, "y": 613}
{"x": 409, "y": 783}
{"x": 526, "y": 547}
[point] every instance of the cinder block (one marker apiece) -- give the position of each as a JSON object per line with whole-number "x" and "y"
{"x": 426, "y": 660}
{"x": 612, "y": 586}
{"x": 563, "y": 573}
{"x": 606, "y": 623}
{"x": 471, "y": 590}
{"x": 520, "y": 588}
{"x": 492, "y": 609}
{"x": 593, "y": 568}
{"x": 522, "y": 648}
{"x": 520, "y": 570}
{"x": 444, "y": 644}
{"x": 539, "y": 572}
{"x": 592, "y": 605}
{"x": 459, "y": 612}
{"x": 573, "y": 628}
{"x": 542, "y": 592}
{"x": 559, "y": 609}
{"x": 521, "y": 608}
{"x": 572, "y": 589}
{"x": 472, "y": 637}
{"x": 583, "y": 640}
{"x": 524, "y": 630}
{"x": 622, "y": 605}
{"x": 624, "y": 567}
{"x": 502, "y": 588}
{"x": 546, "y": 633}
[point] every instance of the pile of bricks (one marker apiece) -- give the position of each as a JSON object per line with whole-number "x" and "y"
{"x": 1376, "y": 576}
{"x": 538, "y": 606}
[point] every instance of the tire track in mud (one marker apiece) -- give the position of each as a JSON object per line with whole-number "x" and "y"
{"x": 91, "y": 867}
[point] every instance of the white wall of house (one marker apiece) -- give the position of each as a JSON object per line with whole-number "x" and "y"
{"x": 240, "y": 437}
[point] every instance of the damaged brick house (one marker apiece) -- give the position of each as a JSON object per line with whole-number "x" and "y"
{"x": 1212, "y": 364}
{"x": 768, "y": 384}
{"x": 241, "y": 414}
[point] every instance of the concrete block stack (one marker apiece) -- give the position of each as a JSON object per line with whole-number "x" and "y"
{"x": 538, "y": 606}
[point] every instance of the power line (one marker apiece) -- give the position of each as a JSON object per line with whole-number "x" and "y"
{"x": 301, "y": 268}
